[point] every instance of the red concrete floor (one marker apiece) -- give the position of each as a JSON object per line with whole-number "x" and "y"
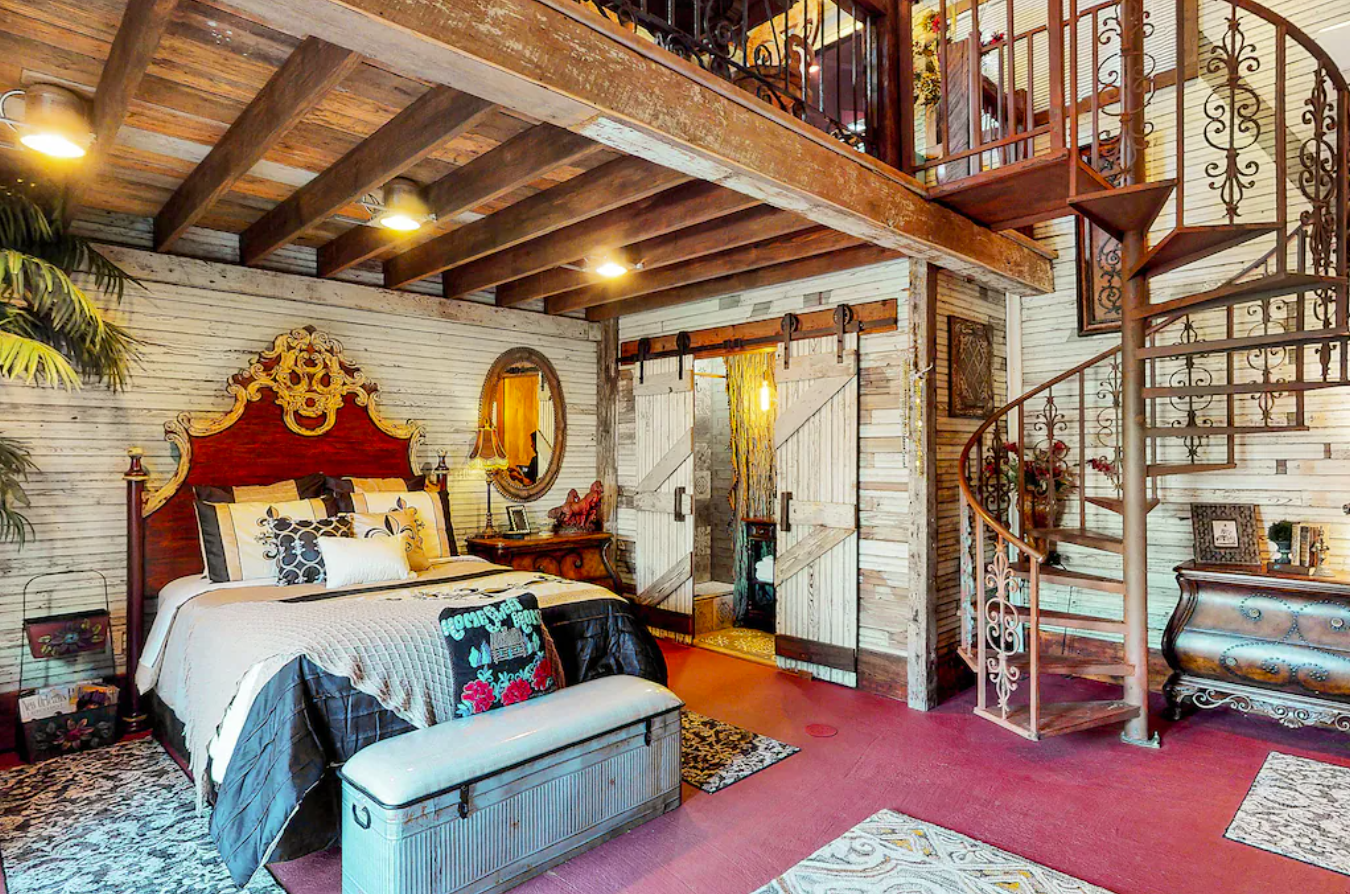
{"x": 1131, "y": 820}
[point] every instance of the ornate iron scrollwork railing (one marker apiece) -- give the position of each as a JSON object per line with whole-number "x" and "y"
{"x": 817, "y": 60}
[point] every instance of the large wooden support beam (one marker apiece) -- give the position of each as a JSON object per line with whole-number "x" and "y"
{"x": 733, "y": 231}
{"x": 923, "y": 491}
{"x": 691, "y": 203}
{"x": 436, "y": 116}
{"x": 307, "y": 76}
{"x": 601, "y": 189}
{"x": 791, "y": 247}
{"x": 134, "y": 45}
{"x": 562, "y": 63}
{"x": 520, "y": 160}
{"x": 860, "y": 256}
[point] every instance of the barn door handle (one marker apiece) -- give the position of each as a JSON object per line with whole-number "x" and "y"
{"x": 785, "y": 511}
{"x": 679, "y": 504}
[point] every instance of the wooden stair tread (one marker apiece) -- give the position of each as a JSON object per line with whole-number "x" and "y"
{"x": 1222, "y": 345}
{"x": 1065, "y": 577}
{"x": 1076, "y": 621}
{"x": 1058, "y": 718}
{"x": 1074, "y": 665}
{"x": 1021, "y": 193}
{"x": 1127, "y": 208}
{"x": 1200, "y": 431}
{"x": 1113, "y": 504}
{"x": 1081, "y": 537}
{"x": 1159, "y": 470}
{"x": 1248, "y": 290}
{"x": 1186, "y": 244}
{"x": 1240, "y": 388}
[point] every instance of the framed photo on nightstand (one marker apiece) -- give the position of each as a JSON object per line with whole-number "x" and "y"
{"x": 517, "y": 521}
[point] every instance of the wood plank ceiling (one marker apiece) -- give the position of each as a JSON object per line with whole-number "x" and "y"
{"x": 224, "y": 124}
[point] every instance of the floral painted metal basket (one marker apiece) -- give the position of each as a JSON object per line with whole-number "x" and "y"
{"x": 69, "y": 633}
{"x": 69, "y": 733}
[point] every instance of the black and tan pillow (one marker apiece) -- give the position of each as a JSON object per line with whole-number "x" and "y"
{"x": 290, "y": 490}
{"x": 403, "y": 523}
{"x": 298, "y": 557}
{"x": 354, "y": 485}
{"x": 433, "y": 522}
{"x": 237, "y": 541}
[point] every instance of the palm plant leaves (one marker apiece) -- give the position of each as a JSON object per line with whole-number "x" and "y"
{"x": 51, "y": 333}
{"x": 15, "y": 464}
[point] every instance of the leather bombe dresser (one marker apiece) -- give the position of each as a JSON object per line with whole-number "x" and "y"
{"x": 1260, "y": 642}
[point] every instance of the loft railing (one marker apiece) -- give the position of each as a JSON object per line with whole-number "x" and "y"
{"x": 820, "y": 61}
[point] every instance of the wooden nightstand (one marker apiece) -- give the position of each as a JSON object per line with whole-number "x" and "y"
{"x": 581, "y": 557}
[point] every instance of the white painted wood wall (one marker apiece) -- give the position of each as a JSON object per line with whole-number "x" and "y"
{"x": 883, "y": 489}
{"x": 200, "y": 321}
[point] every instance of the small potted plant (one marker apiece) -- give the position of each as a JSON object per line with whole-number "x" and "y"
{"x": 1281, "y": 533}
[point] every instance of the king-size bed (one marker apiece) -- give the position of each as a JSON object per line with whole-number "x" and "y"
{"x": 263, "y": 684}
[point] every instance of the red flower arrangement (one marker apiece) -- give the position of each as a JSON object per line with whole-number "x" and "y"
{"x": 516, "y": 691}
{"x": 479, "y": 694}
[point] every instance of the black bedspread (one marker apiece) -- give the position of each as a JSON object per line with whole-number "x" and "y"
{"x": 281, "y": 785}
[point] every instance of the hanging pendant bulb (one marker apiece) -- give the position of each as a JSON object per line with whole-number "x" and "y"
{"x": 765, "y": 395}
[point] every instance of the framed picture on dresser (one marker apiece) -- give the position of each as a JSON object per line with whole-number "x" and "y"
{"x": 1225, "y": 534}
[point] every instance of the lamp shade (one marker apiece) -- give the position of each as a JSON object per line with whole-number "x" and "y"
{"x": 487, "y": 454}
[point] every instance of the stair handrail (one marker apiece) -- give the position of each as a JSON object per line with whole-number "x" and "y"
{"x": 1036, "y": 553}
{"x": 1291, "y": 30}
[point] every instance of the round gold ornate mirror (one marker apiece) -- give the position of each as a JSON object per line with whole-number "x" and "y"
{"x": 523, "y": 402}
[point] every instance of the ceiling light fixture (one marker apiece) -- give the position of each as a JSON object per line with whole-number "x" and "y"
{"x": 54, "y": 122}
{"x": 404, "y": 208}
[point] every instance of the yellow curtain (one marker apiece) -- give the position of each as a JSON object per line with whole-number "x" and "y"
{"x": 518, "y": 409}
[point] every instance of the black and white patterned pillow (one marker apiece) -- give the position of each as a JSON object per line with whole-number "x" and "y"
{"x": 298, "y": 558}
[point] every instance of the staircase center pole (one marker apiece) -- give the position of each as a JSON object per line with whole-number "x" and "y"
{"x": 1134, "y": 442}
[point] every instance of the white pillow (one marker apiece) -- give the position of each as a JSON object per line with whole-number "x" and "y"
{"x": 353, "y": 560}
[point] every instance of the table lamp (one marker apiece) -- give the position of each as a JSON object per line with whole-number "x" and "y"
{"x": 487, "y": 459}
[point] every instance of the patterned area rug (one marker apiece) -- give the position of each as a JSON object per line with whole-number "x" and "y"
{"x": 119, "y": 820}
{"x": 1298, "y": 808}
{"x": 895, "y": 854}
{"x": 742, "y": 641}
{"x": 715, "y": 755}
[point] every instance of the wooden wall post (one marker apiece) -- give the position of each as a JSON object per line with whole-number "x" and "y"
{"x": 607, "y": 418}
{"x": 133, "y": 718}
{"x": 923, "y": 488}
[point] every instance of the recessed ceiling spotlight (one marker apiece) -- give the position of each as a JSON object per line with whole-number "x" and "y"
{"x": 404, "y": 208}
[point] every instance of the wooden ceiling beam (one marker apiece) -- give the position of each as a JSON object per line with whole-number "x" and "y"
{"x": 732, "y": 231}
{"x": 518, "y": 162}
{"x": 819, "y": 265}
{"x": 686, "y": 205}
{"x": 779, "y": 250}
{"x": 601, "y": 189}
{"x": 305, "y": 78}
{"x": 143, "y": 25}
{"x": 561, "y": 63}
{"x": 438, "y": 115}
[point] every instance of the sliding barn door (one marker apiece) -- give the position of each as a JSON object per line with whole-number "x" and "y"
{"x": 664, "y": 497}
{"x": 816, "y": 570}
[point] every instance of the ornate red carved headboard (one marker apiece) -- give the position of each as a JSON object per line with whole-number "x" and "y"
{"x": 299, "y": 408}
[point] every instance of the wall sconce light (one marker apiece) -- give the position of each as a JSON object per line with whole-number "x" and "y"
{"x": 403, "y": 209}
{"x": 54, "y": 123}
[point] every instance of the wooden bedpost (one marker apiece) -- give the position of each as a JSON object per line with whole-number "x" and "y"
{"x": 133, "y": 718}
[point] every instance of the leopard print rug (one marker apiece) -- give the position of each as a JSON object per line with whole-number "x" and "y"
{"x": 715, "y": 754}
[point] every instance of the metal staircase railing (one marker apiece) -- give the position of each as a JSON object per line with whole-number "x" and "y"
{"x": 1054, "y": 466}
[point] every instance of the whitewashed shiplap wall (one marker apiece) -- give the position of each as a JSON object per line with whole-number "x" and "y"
{"x": 883, "y": 488}
{"x": 200, "y": 322}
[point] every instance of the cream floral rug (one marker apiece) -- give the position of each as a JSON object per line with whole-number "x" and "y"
{"x": 1298, "y": 808}
{"x": 891, "y": 853}
{"x": 118, "y": 820}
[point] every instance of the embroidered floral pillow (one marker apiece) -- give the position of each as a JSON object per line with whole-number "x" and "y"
{"x": 501, "y": 653}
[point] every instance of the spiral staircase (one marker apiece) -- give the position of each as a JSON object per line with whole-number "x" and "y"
{"x": 1232, "y": 279}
